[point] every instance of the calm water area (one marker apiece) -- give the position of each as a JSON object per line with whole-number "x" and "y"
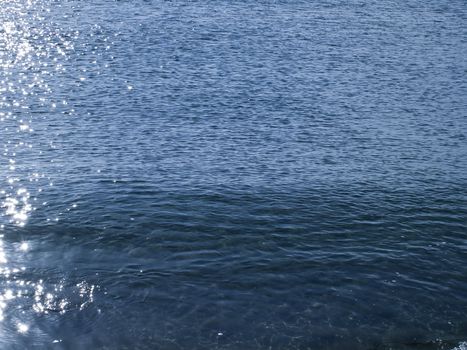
{"x": 214, "y": 174}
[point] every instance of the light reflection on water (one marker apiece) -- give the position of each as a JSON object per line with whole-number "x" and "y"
{"x": 32, "y": 55}
{"x": 23, "y": 81}
{"x": 33, "y": 296}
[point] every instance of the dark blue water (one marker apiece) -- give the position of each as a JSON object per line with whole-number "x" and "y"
{"x": 233, "y": 174}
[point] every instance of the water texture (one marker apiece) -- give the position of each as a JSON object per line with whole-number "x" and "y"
{"x": 233, "y": 174}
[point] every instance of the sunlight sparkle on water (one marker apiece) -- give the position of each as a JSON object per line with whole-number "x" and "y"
{"x": 33, "y": 52}
{"x": 22, "y": 327}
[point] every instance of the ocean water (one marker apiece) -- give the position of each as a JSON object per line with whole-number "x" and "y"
{"x": 242, "y": 174}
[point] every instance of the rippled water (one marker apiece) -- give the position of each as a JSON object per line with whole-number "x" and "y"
{"x": 233, "y": 174}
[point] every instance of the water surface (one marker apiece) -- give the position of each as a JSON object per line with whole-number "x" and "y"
{"x": 233, "y": 174}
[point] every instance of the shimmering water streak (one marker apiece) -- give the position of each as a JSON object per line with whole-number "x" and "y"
{"x": 33, "y": 51}
{"x": 26, "y": 47}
